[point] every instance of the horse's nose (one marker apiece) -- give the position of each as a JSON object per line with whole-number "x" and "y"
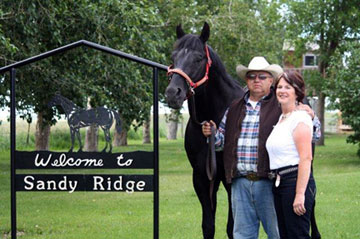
{"x": 173, "y": 92}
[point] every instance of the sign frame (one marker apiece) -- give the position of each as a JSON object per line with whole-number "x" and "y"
{"x": 12, "y": 70}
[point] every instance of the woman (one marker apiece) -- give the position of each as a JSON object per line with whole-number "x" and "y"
{"x": 290, "y": 153}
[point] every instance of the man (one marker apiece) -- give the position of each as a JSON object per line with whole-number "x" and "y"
{"x": 242, "y": 135}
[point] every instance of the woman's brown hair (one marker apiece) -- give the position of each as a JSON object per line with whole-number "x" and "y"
{"x": 294, "y": 79}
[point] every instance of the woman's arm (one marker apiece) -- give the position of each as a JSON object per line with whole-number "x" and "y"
{"x": 302, "y": 138}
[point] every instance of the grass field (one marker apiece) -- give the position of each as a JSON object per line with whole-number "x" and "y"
{"x": 60, "y": 215}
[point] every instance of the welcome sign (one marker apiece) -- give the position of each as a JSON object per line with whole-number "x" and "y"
{"x": 83, "y": 160}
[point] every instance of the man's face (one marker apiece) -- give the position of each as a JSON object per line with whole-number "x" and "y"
{"x": 259, "y": 82}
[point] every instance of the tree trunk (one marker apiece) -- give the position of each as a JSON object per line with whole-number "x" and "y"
{"x": 182, "y": 127}
{"x": 28, "y": 134}
{"x": 120, "y": 139}
{"x": 321, "y": 104}
{"x": 321, "y": 115}
{"x": 173, "y": 124}
{"x": 146, "y": 132}
{"x": 42, "y": 134}
{"x": 91, "y": 139}
{"x": 91, "y": 136}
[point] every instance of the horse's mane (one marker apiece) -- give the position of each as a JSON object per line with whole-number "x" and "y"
{"x": 68, "y": 102}
{"x": 216, "y": 61}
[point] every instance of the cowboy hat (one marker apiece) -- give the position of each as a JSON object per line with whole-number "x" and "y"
{"x": 258, "y": 63}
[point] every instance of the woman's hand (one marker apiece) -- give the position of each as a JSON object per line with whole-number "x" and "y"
{"x": 206, "y": 128}
{"x": 299, "y": 204}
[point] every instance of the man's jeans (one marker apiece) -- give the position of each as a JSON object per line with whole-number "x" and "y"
{"x": 252, "y": 202}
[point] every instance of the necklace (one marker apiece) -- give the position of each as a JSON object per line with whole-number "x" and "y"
{"x": 285, "y": 116}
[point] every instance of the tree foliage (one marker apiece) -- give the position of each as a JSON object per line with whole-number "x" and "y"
{"x": 38, "y": 26}
{"x": 344, "y": 84}
{"x": 244, "y": 29}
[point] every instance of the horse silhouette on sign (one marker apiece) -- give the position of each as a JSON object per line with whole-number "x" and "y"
{"x": 78, "y": 118}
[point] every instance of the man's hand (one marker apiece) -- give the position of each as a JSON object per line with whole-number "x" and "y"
{"x": 206, "y": 128}
{"x": 307, "y": 108}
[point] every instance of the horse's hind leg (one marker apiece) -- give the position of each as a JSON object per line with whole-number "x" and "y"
{"x": 106, "y": 140}
{"x": 230, "y": 222}
{"x": 202, "y": 189}
{"x": 110, "y": 144}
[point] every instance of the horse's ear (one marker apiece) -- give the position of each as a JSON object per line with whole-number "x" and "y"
{"x": 205, "y": 33}
{"x": 179, "y": 32}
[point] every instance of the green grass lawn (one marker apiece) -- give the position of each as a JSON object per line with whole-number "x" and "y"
{"x": 121, "y": 215}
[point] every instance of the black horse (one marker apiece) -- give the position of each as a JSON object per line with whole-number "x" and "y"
{"x": 191, "y": 68}
{"x": 78, "y": 118}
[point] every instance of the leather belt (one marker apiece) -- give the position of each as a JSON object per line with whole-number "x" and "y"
{"x": 282, "y": 171}
{"x": 278, "y": 173}
{"x": 252, "y": 177}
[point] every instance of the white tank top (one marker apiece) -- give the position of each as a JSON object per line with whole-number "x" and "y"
{"x": 280, "y": 144}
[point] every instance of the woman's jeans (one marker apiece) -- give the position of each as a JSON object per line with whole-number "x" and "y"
{"x": 292, "y": 226}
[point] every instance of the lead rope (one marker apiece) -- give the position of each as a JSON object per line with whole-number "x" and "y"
{"x": 211, "y": 164}
{"x": 211, "y": 168}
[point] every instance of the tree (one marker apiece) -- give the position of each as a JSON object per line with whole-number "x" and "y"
{"x": 344, "y": 83}
{"x": 330, "y": 24}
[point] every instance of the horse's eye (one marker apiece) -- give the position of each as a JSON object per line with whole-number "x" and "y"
{"x": 199, "y": 58}
{"x": 173, "y": 55}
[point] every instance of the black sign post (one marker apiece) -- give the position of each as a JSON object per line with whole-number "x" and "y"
{"x": 88, "y": 160}
{"x": 156, "y": 151}
{"x": 12, "y": 152}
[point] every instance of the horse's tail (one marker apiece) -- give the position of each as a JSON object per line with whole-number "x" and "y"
{"x": 118, "y": 121}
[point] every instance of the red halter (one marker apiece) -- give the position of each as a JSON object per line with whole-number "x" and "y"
{"x": 191, "y": 84}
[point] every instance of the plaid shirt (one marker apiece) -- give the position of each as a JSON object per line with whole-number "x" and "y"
{"x": 247, "y": 146}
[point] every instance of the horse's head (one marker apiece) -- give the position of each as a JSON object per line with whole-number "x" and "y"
{"x": 190, "y": 67}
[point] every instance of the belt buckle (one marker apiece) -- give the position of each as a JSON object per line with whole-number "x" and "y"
{"x": 252, "y": 177}
{"x": 272, "y": 175}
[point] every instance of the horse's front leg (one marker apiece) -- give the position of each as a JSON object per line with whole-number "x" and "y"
{"x": 108, "y": 139}
{"x": 72, "y": 136}
{"x": 79, "y": 139}
{"x": 202, "y": 188}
